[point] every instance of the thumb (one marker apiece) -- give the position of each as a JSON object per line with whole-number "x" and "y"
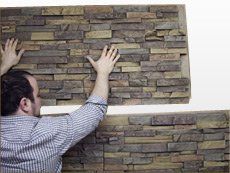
{"x": 91, "y": 60}
{"x": 21, "y": 52}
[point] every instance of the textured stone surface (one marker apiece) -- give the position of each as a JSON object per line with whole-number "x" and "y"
{"x": 132, "y": 143}
{"x": 151, "y": 39}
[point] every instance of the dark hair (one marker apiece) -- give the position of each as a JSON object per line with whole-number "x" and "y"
{"x": 14, "y": 86}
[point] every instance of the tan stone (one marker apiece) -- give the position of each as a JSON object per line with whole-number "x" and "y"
{"x": 48, "y": 42}
{"x": 70, "y": 65}
{"x": 160, "y": 95}
{"x": 211, "y": 144}
{"x": 76, "y": 10}
{"x": 158, "y": 165}
{"x": 65, "y": 21}
{"x": 173, "y": 74}
{"x": 130, "y": 69}
{"x": 27, "y": 47}
{"x": 184, "y": 158}
{"x": 95, "y": 52}
{"x": 98, "y": 9}
{"x": 99, "y": 34}
{"x": 162, "y": 32}
{"x": 158, "y": 127}
{"x": 25, "y": 66}
{"x": 70, "y": 77}
{"x": 78, "y": 52}
{"x": 141, "y": 15}
{"x": 115, "y": 120}
{"x": 126, "y": 46}
{"x": 179, "y": 94}
{"x": 9, "y": 28}
{"x": 160, "y": 57}
{"x": 131, "y": 101}
{"x": 44, "y": 77}
{"x": 178, "y": 50}
{"x": 185, "y": 126}
{"x": 42, "y": 36}
{"x": 149, "y": 89}
{"x": 177, "y": 32}
{"x": 127, "y": 64}
{"x": 116, "y": 154}
{"x": 119, "y": 83}
{"x": 211, "y": 123}
{"x": 152, "y": 139}
{"x": 93, "y": 166}
{"x": 44, "y": 90}
{"x": 162, "y": 159}
{"x": 215, "y": 164}
{"x": 71, "y": 102}
{"x": 116, "y": 168}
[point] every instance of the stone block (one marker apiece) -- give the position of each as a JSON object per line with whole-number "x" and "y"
{"x": 137, "y": 160}
{"x": 185, "y": 158}
{"x": 211, "y": 144}
{"x": 160, "y": 57}
{"x": 140, "y": 120}
{"x": 212, "y": 121}
{"x": 99, "y": 34}
{"x": 115, "y": 121}
{"x": 147, "y": 140}
{"x": 130, "y": 8}
{"x": 50, "y": 84}
{"x": 125, "y": 33}
{"x": 130, "y": 69}
{"x": 167, "y": 25}
{"x": 68, "y": 35}
{"x": 63, "y": 10}
{"x": 44, "y": 59}
{"x": 147, "y": 15}
{"x": 181, "y": 146}
{"x": 98, "y": 9}
{"x": 172, "y": 82}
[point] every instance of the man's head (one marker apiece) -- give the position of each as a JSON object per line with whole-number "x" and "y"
{"x": 19, "y": 94}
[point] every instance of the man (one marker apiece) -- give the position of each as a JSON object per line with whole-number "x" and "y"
{"x": 30, "y": 143}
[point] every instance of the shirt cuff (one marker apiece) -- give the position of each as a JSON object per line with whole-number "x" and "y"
{"x": 97, "y": 100}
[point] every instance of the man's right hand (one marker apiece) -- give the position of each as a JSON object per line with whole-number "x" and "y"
{"x": 9, "y": 56}
{"x": 104, "y": 67}
{"x": 107, "y": 61}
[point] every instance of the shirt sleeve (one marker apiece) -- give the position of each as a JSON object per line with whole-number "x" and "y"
{"x": 81, "y": 122}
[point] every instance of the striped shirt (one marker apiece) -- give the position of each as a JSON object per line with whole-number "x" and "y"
{"x": 33, "y": 144}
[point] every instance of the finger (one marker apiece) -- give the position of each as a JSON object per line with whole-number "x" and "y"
{"x": 11, "y": 42}
{"x": 15, "y": 44}
{"x": 117, "y": 57}
{"x": 1, "y": 50}
{"x": 90, "y": 60}
{"x": 104, "y": 51}
{"x": 7, "y": 44}
{"x": 21, "y": 52}
{"x": 110, "y": 51}
{"x": 113, "y": 54}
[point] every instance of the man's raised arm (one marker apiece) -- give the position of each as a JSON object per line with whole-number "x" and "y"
{"x": 9, "y": 58}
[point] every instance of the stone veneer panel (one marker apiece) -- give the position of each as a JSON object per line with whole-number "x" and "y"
{"x": 152, "y": 40}
{"x": 154, "y": 143}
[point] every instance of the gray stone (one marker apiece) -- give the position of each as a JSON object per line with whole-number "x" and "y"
{"x": 140, "y": 120}
{"x": 173, "y": 82}
{"x": 157, "y": 147}
{"x": 166, "y": 25}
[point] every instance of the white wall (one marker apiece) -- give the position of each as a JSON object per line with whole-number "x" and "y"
{"x": 208, "y": 25}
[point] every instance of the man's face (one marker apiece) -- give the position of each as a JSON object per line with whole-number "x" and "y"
{"x": 36, "y": 106}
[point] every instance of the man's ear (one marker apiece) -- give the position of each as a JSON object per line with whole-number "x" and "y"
{"x": 25, "y": 105}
